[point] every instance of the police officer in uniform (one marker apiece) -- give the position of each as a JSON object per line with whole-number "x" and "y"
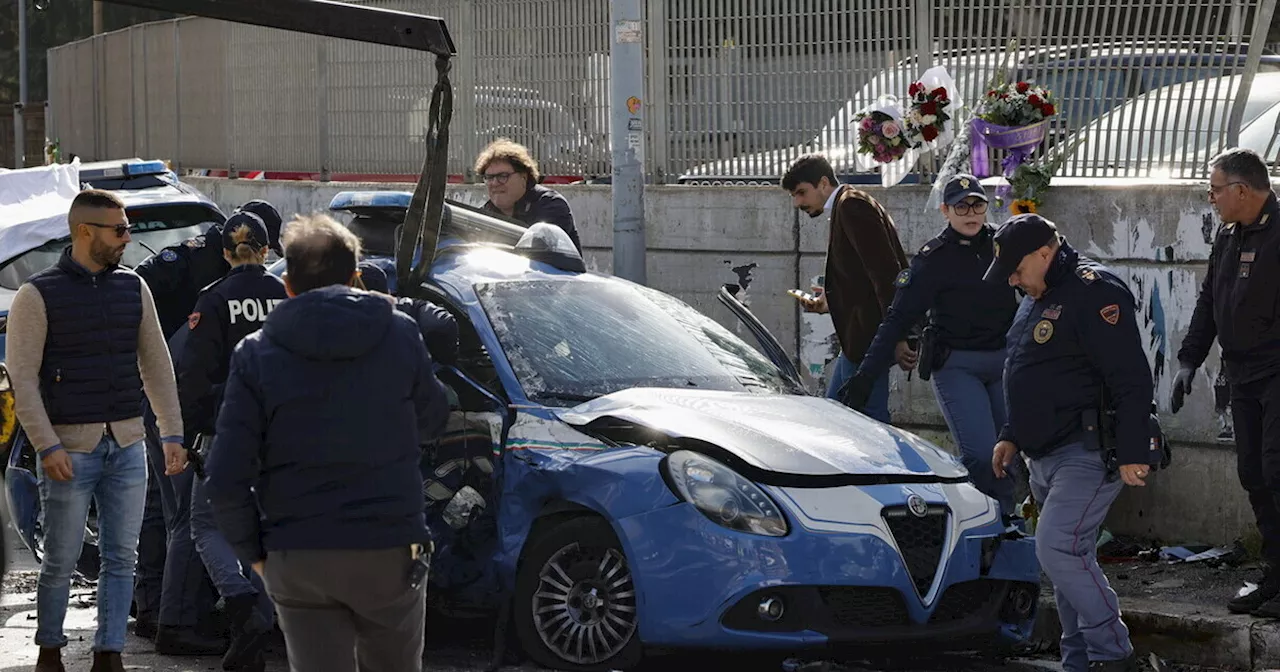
{"x": 175, "y": 275}
{"x": 1074, "y": 332}
{"x": 965, "y": 338}
{"x": 226, "y": 312}
{"x": 1237, "y": 305}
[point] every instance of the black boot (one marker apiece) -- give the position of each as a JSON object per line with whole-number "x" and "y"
{"x": 172, "y": 640}
{"x": 246, "y": 642}
{"x": 107, "y": 661}
{"x": 1268, "y": 589}
{"x": 50, "y": 660}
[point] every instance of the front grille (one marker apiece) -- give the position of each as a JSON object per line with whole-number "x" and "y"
{"x": 864, "y": 607}
{"x": 963, "y": 600}
{"x": 920, "y": 540}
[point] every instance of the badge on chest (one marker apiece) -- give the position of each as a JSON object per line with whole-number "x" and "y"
{"x": 1246, "y": 262}
{"x": 1043, "y": 332}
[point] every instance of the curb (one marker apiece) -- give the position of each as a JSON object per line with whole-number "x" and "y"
{"x": 1186, "y": 634}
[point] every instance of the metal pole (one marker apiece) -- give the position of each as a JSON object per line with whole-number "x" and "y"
{"x": 97, "y": 17}
{"x": 1262, "y": 22}
{"x": 19, "y": 125}
{"x": 626, "y": 72}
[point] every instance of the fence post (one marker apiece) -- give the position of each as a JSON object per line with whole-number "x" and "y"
{"x": 656, "y": 74}
{"x": 1261, "y": 25}
{"x": 322, "y": 104}
{"x": 177, "y": 94}
{"x": 19, "y": 132}
{"x": 464, "y": 98}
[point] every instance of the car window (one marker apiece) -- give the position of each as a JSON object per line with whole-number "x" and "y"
{"x": 570, "y": 341}
{"x": 154, "y": 227}
{"x": 1261, "y": 136}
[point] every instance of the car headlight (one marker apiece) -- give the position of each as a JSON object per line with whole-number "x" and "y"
{"x": 722, "y": 495}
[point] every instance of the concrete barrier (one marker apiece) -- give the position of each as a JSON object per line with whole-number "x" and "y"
{"x": 1156, "y": 235}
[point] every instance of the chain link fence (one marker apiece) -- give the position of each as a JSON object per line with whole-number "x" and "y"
{"x": 736, "y": 88}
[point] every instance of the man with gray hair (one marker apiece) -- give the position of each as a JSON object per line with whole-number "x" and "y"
{"x": 1237, "y": 305}
{"x": 313, "y": 474}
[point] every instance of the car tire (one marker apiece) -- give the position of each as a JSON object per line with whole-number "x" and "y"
{"x": 574, "y": 590}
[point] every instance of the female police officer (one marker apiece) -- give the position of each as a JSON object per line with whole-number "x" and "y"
{"x": 226, "y": 312}
{"x": 968, "y": 320}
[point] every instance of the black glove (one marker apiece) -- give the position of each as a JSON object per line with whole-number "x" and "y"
{"x": 856, "y": 391}
{"x": 1181, "y": 387}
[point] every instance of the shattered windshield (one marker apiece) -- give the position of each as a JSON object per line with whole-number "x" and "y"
{"x": 573, "y": 341}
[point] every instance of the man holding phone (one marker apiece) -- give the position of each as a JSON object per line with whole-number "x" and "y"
{"x": 864, "y": 256}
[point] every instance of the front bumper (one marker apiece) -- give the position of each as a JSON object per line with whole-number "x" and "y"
{"x": 700, "y": 585}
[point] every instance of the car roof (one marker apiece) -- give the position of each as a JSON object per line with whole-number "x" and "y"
{"x": 164, "y": 195}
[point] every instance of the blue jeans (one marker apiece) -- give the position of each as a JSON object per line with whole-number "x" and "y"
{"x": 1074, "y": 492}
{"x": 221, "y": 562}
{"x": 877, "y": 404}
{"x": 114, "y": 478}
{"x": 970, "y": 392}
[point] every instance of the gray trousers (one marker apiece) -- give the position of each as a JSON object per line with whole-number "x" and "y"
{"x": 348, "y": 611}
{"x": 1072, "y": 490}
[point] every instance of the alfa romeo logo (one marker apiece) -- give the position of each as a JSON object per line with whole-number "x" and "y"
{"x": 917, "y": 506}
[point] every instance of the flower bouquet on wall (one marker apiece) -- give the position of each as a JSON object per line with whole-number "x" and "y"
{"x": 1014, "y": 117}
{"x": 882, "y": 140}
{"x": 929, "y": 118}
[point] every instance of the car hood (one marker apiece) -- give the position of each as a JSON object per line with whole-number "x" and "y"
{"x": 788, "y": 435}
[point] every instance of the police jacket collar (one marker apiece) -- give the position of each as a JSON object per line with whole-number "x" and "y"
{"x": 950, "y": 235}
{"x": 256, "y": 269}
{"x": 1062, "y": 267}
{"x": 68, "y": 263}
{"x": 1270, "y": 211}
{"x": 531, "y": 195}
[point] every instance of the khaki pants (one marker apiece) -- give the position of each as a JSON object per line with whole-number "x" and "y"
{"x": 348, "y": 611}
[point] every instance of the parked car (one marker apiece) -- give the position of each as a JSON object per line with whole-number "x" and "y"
{"x": 162, "y": 211}
{"x": 1089, "y": 80}
{"x": 1182, "y": 125}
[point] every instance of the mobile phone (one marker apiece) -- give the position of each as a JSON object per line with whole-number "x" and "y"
{"x": 802, "y": 295}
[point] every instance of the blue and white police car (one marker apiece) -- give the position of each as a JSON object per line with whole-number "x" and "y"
{"x": 627, "y": 474}
{"x": 162, "y": 211}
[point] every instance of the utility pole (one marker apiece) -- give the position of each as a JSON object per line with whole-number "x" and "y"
{"x": 626, "y": 74}
{"x": 97, "y": 17}
{"x": 19, "y": 120}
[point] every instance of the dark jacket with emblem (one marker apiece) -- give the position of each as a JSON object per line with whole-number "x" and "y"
{"x": 176, "y": 274}
{"x": 226, "y": 312}
{"x": 1239, "y": 302}
{"x": 540, "y": 204}
{"x": 318, "y": 438}
{"x": 1082, "y": 333}
{"x": 864, "y": 257}
{"x": 945, "y": 280}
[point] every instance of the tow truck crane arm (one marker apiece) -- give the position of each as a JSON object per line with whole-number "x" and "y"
{"x": 375, "y": 25}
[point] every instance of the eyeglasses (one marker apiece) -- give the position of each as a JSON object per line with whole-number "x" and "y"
{"x": 121, "y": 229}
{"x": 497, "y": 178}
{"x": 964, "y": 207}
{"x": 1215, "y": 188}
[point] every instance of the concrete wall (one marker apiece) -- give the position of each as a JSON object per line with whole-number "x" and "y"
{"x": 1155, "y": 235}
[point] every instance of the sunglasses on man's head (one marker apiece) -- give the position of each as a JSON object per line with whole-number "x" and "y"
{"x": 121, "y": 229}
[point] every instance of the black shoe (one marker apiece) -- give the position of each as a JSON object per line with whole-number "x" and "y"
{"x": 144, "y": 628}
{"x": 179, "y": 641}
{"x": 1268, "y": 609}
{"x": 1129, "y": 664}
{"x": 50, "y": 660}
{"x": 1267, "y": 590}
{"x": 246, "y": 643}
{"x": 107, "y": 661}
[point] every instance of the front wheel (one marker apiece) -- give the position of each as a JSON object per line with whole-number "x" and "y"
{"x": 575, "y": 601}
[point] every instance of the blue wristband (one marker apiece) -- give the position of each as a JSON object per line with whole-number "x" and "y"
{"x": 171, "y": 439}
{"x": 49, "y": 451}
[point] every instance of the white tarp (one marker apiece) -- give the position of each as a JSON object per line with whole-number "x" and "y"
{"x": 34, "y": 204}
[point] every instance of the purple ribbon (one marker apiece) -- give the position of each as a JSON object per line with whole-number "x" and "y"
{"x": 1019, "y": 142}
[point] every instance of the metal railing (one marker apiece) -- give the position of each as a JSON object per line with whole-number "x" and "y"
{"x": 736, "y": 88}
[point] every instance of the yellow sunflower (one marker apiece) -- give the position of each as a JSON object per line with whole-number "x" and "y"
{"x": 1022, "y": 206}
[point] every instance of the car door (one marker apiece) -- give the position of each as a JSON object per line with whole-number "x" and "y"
{"x": 769, "y": 345}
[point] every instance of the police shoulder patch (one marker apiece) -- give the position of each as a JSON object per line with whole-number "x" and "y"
{"x": 903, "y": 279}
{"x": 193, "y": 320}
{"x": 168, "y": 255}
{"x": 1111, "y": 313}
{"x": 930, "y": 246}
{"x": 1087, "y": 274}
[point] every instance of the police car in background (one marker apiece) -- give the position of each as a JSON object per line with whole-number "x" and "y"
{"x": 162, "y": 211}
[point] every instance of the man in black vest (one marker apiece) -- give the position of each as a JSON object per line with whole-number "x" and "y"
{"x": 83, "y": 346}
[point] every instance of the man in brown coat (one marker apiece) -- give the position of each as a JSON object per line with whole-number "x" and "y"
{"x": 864, "y": 258}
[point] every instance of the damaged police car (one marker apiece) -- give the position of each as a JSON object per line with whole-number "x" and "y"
{"x": 621, "y": 473}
